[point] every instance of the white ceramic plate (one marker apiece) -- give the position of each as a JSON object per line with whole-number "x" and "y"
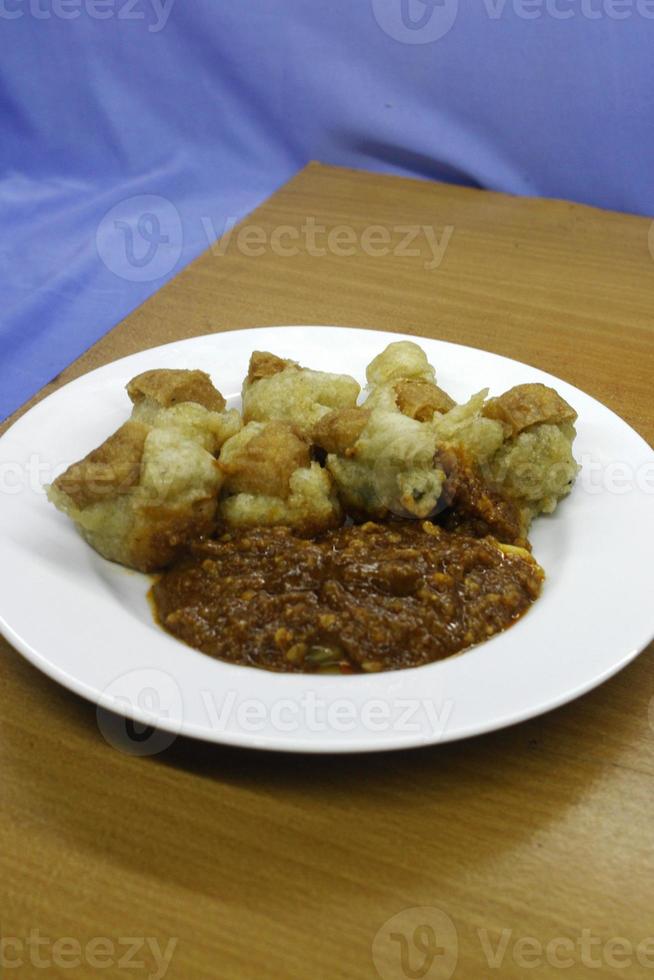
{"x": 86, "y": 622}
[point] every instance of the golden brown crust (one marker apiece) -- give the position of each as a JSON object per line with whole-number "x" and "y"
{"x": 107, "y": 471}
{"x": 340, "y": 429}
{"x": 263, "y": 364}
{"x": 527, "y": 405}
{"x": 168, "y": 387}
{"x": 421, "y": 399}
{"x": 265, "y": 464}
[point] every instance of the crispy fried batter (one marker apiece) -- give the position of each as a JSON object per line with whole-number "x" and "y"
{"x": 401, "y": 379}
{"x": 389, "y": 469}
{"x": 410, "y": 451}
{"x": 400, "y": 360}
{"x": 271, "y": 480}
{"x": 111, "y": 469}
{"x": 294, "y": 394}
{"x": 382, "y": 465}
{"x": 535, "y": 469}
{"x": 166, "y": 492}
{"x": 187, "y": 401}
{"x": 421, "y": 400}
{"x": 168, "y": 387}
{"x": 382, "y": 455}
{"x": 152, "y": 485}
{"x": 465, "y": 426}
{"x": 192, "y": 421}
{"x": 338, "y": 431}
{"x": 263, "y": 364}
{"x": 534, "y": 466}
{"x": 527, "y": 405}
{"x": 262, "y": 458}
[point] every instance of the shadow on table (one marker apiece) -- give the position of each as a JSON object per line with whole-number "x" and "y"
{"x": 509, "y": 786}
{"x": 595, "y": 727}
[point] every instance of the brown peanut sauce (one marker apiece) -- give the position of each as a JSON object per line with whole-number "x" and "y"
{"x": 361, "y": 598}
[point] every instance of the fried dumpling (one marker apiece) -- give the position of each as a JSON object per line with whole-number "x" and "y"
{"x": 152, "y": 485}
{"x": 270, "y": 479}
{"x": 382, "y": 462}
{"x": 402, "y": 379}
{"x": 186, "y": 400}
{"x": 534, "y": 466}
{"x": 280, "y": 390}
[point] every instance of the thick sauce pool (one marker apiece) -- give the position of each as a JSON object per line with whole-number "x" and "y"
{"x": 361, "y": 598}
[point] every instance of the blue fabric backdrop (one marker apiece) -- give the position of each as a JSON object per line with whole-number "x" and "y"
{"x": 133, "y": 130}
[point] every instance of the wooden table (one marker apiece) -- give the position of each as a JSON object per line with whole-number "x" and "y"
{"x": 264, "y": 865}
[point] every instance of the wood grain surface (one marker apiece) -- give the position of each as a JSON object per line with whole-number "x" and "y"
{"x": 534, "y": 844}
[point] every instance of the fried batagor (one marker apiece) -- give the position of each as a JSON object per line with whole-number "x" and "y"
{"x": 280, "y": 390}
{"x": 402, "y": 379}
{"x": 152, "y": 485}
{"x": 386, "y": 464}
{"x": 527, "y": 405}
{"x": 186, "y": 400}
{"x": 421, "y": 400}
{"x": 388, "y": 456}
{"x": 400, "y": 360}
{"x": 382, "y": 462}
{"x": 534, "y": 466}
{"x": 164, "y": 388}
{"x": 521, "y": 441}
{"x": 270, "y": 479}
{"x": 384, "y": 455}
